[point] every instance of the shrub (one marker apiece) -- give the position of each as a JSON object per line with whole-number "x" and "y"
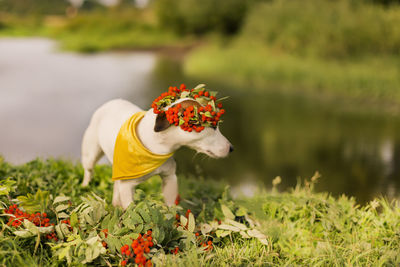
{"x": 327, "y": 28}
{"x": 192, "y": 16}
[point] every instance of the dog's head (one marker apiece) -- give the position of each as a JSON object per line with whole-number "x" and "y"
{"x": 209, "y": 140}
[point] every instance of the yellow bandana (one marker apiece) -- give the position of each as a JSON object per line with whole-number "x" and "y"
{"x": 131, "y": 159}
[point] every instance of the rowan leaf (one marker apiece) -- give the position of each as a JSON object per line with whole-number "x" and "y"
{"x": 59, "y": 199}
{"x": 199, "y": 86}
{"x": 61, "y": 207}
{"x": 222, "y": 233}
{"x": 227, "y": 212}
{"x": 229, "y": 227}
{"x": 205, "y": 228}
{"x": 191, "y": 223}
{"x": 23, "y": 233}
{"x": 241, "y": 226}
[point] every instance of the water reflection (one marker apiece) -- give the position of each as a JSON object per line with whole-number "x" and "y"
{"x": 47, "y": 98}
{"x": 275, "y": 134}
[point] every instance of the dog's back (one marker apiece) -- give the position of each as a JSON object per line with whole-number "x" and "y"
{"x": 100, "y": 136}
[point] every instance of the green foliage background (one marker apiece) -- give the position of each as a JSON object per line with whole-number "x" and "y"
{"x": 302, "y": 227}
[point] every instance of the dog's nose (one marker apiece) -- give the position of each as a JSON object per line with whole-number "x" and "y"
{"x": 230, "y": 149}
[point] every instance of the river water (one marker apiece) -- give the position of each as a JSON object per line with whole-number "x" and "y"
{"x": 48, "y": 96}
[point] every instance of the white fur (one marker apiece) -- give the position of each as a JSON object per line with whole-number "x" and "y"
{"x": 100, "y": 136}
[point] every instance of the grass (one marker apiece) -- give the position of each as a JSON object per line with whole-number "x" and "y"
{"x": 95, "y": 31}
{"x": 321, "y": 49}
{"x": 302, "y": 227}
{"x": 254, "y": 67}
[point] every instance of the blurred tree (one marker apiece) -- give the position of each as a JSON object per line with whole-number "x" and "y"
{"x": 385, "y": 2}
{"x": 34, "y": 7}
{"x": 199, "y": 17}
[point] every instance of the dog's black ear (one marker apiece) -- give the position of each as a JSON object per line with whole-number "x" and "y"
{"x": 161, "y": 122}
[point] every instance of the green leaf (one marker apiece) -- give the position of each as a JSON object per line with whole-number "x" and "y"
{"x": 61, "y": 199}
{"x": 158, "y": 235}
{"x": 35, "y": 203}
{"x": 92, "y": 240}
{"x": 46, "y": 230}
{"x": 60, "y": 234}
{"x": 213, "y": 93}
{"x": 208, "y": 114}
{"x": 241, "y": 212}
{"x": 73, "y": 219}
{"x": 23, "y": 233}
{"x": 227, "y": 212}
{"x": 31, "y": 227}
{"x": 192, "y": 223}
{"x": 114, "y": 243}
{"x": 244, "y": 234}
{"x": 212, "y": 103}
{"x": 228, "y": 227}
{"x": 65, "y": 230}
{"x": 7, "y": 186}
{"x": 146, "y": 217}
{"x": 202, "y": 100}
{"x": 199, "y": 86}
{"x": 222, "y": 98}
{"x": 257, "y": 234}
{"x": 205, "y": 228}
{"x": 88, "y": 219}
{"x": 62, "y": 215}
{"x": 236, "y": 224}
{"x": 156, "y": 216}
{"x": 183, "y": 220}
{"x": 61, "y": 207}
{"x": 222, "y": 233}
{"x": 136, "y": 218}
{"x": 63, "y": 253}
{"x": 185, "y": 94}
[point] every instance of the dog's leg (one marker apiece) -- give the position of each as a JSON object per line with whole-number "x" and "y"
{"x": 125, "y": 192}
{"x": 91, "y": 153}
{"x": 116, "y": 201}
{"x": 170, "y": 189}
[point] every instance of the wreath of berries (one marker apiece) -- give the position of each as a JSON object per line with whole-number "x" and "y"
{"x": 191, "y": 118}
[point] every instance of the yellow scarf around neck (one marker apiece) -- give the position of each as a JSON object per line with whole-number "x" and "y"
{"x": 131, "y": 159}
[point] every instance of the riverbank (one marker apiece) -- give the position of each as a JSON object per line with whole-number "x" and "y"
{"x": 344, "y": 61}
{"x": 295, "y": 227}
{"x": 369, "y": 83}
{"x": 91, "y": 32}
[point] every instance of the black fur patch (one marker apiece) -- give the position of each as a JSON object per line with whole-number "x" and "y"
{"x": 161, "y": 122}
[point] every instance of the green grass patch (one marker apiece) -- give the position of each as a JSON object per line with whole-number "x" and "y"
{"x": 97, "y": 30}
{"x": 108, "y": 30}
{"x": 328, "y": 50}
{"x": 254, "y": 67}
{"x": 300, "y": 227}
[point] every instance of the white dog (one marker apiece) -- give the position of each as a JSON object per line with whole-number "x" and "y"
{"x": 156, "y": 134}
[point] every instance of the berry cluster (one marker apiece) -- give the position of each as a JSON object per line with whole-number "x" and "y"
{"x": 137, "y": 250}
{"x": 191, "y": 118}
{"x": 175, "y": 250}
{"x": 203, "y": 241}
{"x": 177, "y": 200}
{"x": 68, "y": 223}
{"x": 53, "y": 236}
{"x": 104, "y": 243}
{"x": 178, "y": 219}
{"x": 39, "y": 219}
{"x": 208, "y": 245}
